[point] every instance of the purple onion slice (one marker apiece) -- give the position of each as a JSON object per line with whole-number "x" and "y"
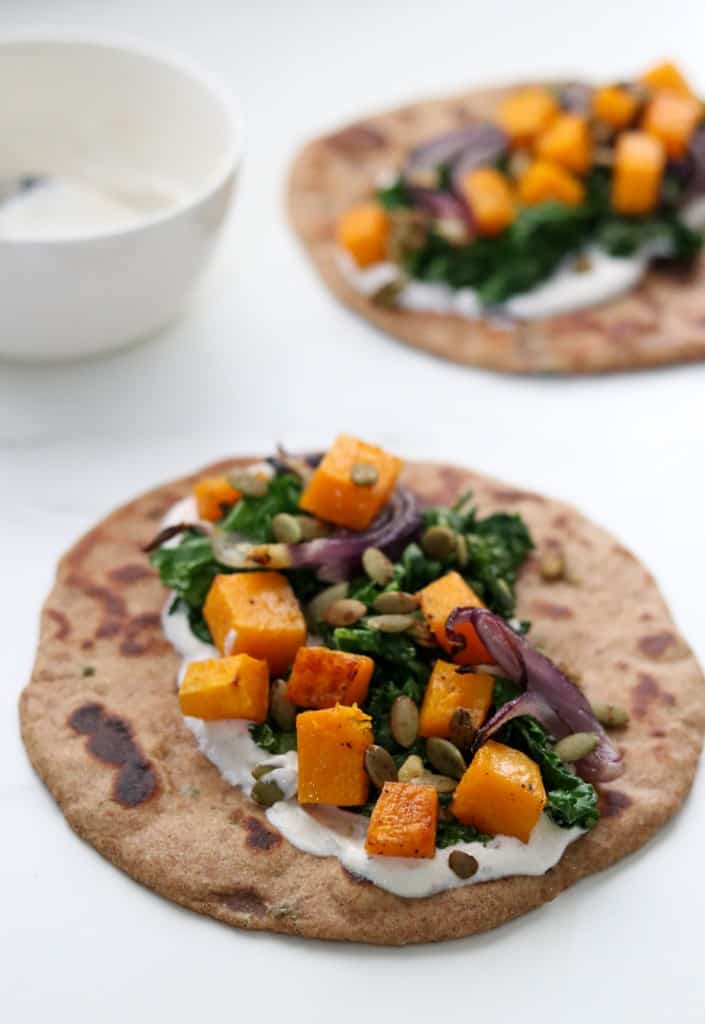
{"x": 528, "y": 703}
{"x": 477, "y": 144}
{"x": 440, "y": 205}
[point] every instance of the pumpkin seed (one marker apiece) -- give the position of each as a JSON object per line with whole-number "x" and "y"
{"x": 249, "y": 484}
{"x": 611, "y": 715}
{"x": 364, "y": 474}
{"x": 462, "y": 552}
{"x": 445, "y": 757}
{"x": 387, "y": 294}
{"x": 408, "y": 233}
{"x": 344, "y": 613}
{"x": 552, "y": 566}
{"x": 377, "y": 566}
{"x": 280, "y": 707}
{"x": 396, "y": 602}
{"x": 380, "y": 766}
{"x": 439, "y": 542}
{"x": 404, "y": 721}
{"x": 311, "y": 529}
{"x": 576, "y": 746}
{"x": 316, "y": 608}
{"x": 441, "y": 783}
{"x": 266, "y": 793}
{"x": 411, "y": 769}
{"x": 453, "y": 230}
{"x": 461, "y": 731}
{"x": 269, "y": 556}
{"x": 260, "y": 770}
{"x": 286, "y": 528}
{"x": 464, "y": 865}
{"x": 421, "y": 634}
{"x": 391, "y": 623}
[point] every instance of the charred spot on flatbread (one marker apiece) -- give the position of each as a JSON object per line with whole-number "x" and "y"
{"x": 259, "y": 837}
{"x": 111, "y": 740}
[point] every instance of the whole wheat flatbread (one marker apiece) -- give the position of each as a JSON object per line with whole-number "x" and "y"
{"x": 101, "y": 722}
{"x": 660, "y": 321}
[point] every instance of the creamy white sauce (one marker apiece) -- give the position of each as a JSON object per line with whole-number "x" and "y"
{"x": 329, "y": 831}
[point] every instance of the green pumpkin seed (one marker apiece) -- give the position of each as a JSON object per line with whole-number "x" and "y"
{"x": 287, "y": 528}
{"x": 404, "y": 721}
{"x": 391, "y": 623}
{"x": 611, "y": 715}
{"x": 249, "y": 484}
{"x": 280, "y": 707}
{"x": 345, "y": 612}
{"x": 411, "y": 769}
{"x": 377, "y": 566}
{"x": 462, "y": 551}
{"x": 364, "y": 474}
{"x": 576, "y": 746}
{"x": 387, "y": 294}
{"x": 441, "y": 783}
{"x": 311, "y": 529}
{"x": 439, "y": 542}
{"x": 396, "y": 602}
{"x": 464, "y": 865}
{"x": 316, "y": 608}
{"x": 461, "y": 731}
{"x": 380, "y": 766}
{"x": 266, "y": 793}
{"x": 552, "y": 567}
{"x": 262, "y": 769}
{"x": 421, "y": 634}
{"x": 445, "y": 757}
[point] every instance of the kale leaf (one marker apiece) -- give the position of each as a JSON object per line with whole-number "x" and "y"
{"x": 395, "y": 196}
{"x": 271, "y": 739}
{"x": 252, "y": 517}
{"x": 188, "y": 568}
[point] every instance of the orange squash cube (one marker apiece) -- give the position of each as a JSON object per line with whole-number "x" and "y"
{"x": 489, "y": 196}
{"x": 448, "y": 690}
{"x": 543, "y": 181}
{"x": 404, "y": 821}
{"x": 638, "y": 170}
{"x": 672, "y": 118}
{"x": 567, "y": 142}
{"x": 255, "y": 613}
{"x": 666, "y": 76}
{"x": 331, "y": 744}
{"x": 212, "y": 494}
{"x": 322, "y": 678}
{"x": 235, "y": 687}
{"x": 332, "y": 494}
{"x": 615, "y": 105}
{"x": 526, "y": 113}
{"x": 501, "y": 792}
{"x": 438, "y": 600}
{"x": 363, "y": 231}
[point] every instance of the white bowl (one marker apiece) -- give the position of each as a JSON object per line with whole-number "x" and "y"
{"x": 136, "y": 126}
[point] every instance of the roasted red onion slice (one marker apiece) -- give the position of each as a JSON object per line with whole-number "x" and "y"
{"x": 169, "y": 532}
{"x": 482, "y": 142}
{"x": 575, "y": 97}
{"x": 441, "y": 205}
{"x": 528, "y": 703}
{"x": 523, "y": 664}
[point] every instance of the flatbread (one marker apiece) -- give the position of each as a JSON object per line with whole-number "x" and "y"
{"x": 660, "y": 321}
{"x": 101, "y": 722}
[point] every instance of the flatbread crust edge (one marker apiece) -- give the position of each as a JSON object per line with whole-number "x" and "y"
{"x": 130, "y": 780}
{"x": 660, "y": 321}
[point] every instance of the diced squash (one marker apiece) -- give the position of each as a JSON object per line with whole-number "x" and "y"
{"x": 322, "y": 678}
{"x": 567, "y": 142}
{"x": 543, "y": 181}
{"x": 638, "y": 170}
{"x": 213, "y": 494}
{"x": 672, "y": 118}
{"x": 666, "y": 76}
{"x": 447, "y": 690}
{"x": 403, "y": 821}
{"x": 235, "y": 687}
{"x": 501, "y": 792}
{"x": 438, "y": 600}
{"x": 332, "y": 493}
{"x": 526, "y": 113}
{"x": 363, "y": 231}
{"x": 255, "y": 613}
{"x": 489, "y": 195}
{"x": 331, "y": 744}
{"x": 615, "y": 105}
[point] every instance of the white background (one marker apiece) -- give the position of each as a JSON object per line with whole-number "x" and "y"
{"x": 263, "y": 355}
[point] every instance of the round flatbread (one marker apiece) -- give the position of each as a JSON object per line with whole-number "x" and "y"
{"x": 660, "y": 321}
{"x": 101, "y": 722}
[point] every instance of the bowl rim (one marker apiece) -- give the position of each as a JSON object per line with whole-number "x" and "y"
{"x": 225, "y": 168}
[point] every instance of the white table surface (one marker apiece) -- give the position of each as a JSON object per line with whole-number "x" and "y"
{"x": 263, "y": 355}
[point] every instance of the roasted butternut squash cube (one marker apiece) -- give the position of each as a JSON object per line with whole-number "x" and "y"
{"x": 544, "y": 180}
{"x": 363, "y": 232}
{"x": 322, "y": 678}
{"x": 501, "y": 792}
{"x": 331, "y": 744}
{"x": 524, "y": 114}
{"x": 615, "y": 105}
{"x": 666, "y": 76}
{"x": 438, "y": 600}
{"x": 567, "y": 142}
{"x": 235, "y": 687}
{"x": 638, "y": 170}
{"x": 672, "y": 118}
{"x": 404, "y": 821}
{"x": 213, "y": 495}
{"x": 332, "y": 492}
{"x": 447, "y": 690}
{"x": 256, "y": 613}
{"x": 489, "y": 196}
